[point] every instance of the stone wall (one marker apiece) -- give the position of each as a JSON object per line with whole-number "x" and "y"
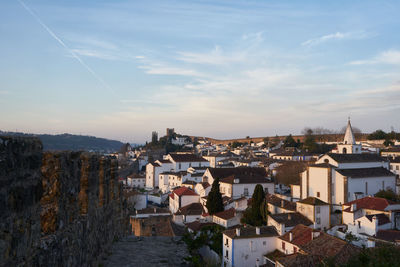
{"x": 57, "y": 209}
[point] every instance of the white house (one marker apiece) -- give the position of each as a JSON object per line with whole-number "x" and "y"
{"x": 238, "y": 185}
{"x": 170, "y": 180}
{"x": 316, "y": 211}
{"x": 202, "y": 189}
{"x": 188, "y": 213}
{"x": 245, "y": 246}
{"x": 277, "y": 205}
{"x": 136, "y": 180}
{"x": 370, "y": 206}
{"x": 154, "y": 169}
{"x": 227, "y": 218}
{"x": 216, "y": 157}
{"x": 181, "y": 161}
{"x": 182, "y": 197}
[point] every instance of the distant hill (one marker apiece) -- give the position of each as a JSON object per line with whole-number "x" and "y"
{"x": 73, "y": 142}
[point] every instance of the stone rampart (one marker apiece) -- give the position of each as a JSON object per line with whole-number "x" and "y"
{"x": 57, "y": 208}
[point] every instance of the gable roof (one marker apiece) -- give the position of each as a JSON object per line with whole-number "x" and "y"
{"x": 328, "y": 246}
{"x": 191, "y": 209}
{"x": 301, "y": 235}
{"x": 250, "y": 232}
{"x": 186, "y": 157}
{"x": 276, "y": 201}
{"x": 366, "y": 172}
{"x": 225, "y": 172}
{"x": 313, "y": 201}
{"x": 184, "y": 191}
{"x": 197, "y": 225}
{"x": 226, "y": 214}
{"x": 372, "y": 203}
{"x": 290, "y": 219}
{"x": 244, "y": 179}
{"x": 349, "y": 158}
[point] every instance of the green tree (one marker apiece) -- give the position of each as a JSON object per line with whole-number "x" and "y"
{"x": 388, "y": 194}
{"x": 377, "y": 135}
{"x": 214, "y": 199}
{"x": 253, "y": 215}
{"x": 289, "y": 141}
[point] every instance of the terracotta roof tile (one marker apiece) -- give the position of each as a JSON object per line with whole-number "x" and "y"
{"x": 366, "y": 172}
{"x": 373, "y": 203}
{"x": 313, "y": 201}
{"x": 184, "y": 191}
{"x": 250, "y": 232}
{"x": 226, "y": 214}
{"x": 301, "y": 235}
{"x": 290, "y": 219}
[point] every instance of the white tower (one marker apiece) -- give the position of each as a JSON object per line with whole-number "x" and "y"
{"x": 349, "y": 145}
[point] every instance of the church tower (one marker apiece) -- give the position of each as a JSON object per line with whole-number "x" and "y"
{"x": 349, "y": 145}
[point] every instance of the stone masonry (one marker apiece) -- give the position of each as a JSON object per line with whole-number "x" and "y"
{"x": 57, "y": 209}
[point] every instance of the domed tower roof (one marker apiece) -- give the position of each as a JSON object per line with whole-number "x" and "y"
{"x": 349, "y": 136}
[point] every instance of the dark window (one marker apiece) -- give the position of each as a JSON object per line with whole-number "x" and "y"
{"x": 344, "y": 150}
{"x": 283, "y": 245}
{"x": 318, "y": 194}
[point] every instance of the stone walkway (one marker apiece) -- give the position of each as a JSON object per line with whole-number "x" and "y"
{"x": 148, "y": 251}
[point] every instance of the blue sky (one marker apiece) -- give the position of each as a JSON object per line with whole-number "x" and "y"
{"x": 121, "y": 69}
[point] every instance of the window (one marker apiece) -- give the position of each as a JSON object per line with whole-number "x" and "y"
{"x": 318, "y": 209}
{"x": 264, "y": 243}
{"x": 366, "y": 188}
{"x": 383, "y": 185}
{"x": 318, "y": 194}
{"x": 318, "y": 221}
{"x": 226, "y": 254}
{"x": 190, "y": 165}
{"x": 359, "y": 224}
{"x": 344, "y": 150}
{"x": 246, "y": 192}
{"x": 391, "y": 167}
{"x": 180, "y": 166}
{"x": 397, "y": 167}
{"x": 283, "y": 245}
{"x": 266, "y": 190}
{"x": 226, "y": 242}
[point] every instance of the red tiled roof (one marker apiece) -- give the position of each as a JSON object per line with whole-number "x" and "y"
{"x": 372, "y": 203}
{"x": 184, "y": 191}
{"x": 301, "y": 235}
{"x": 226, "y": 214}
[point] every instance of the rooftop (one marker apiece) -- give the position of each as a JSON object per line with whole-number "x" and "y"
{"x": 366, "y": 172}
{"x": 186, "y": 157}
{"x": 301, "y": 235}
{"x": 276, "y": 201}
{"x": 313, "y": 201}
{"x": 349, "y": 158}
{"x": 245, "y": 179}
{"x": 226, "y": 214}
{"x": 191, "y": 209}
{"x": 290, "y": 219}
{"x": 372, "y": 203}
{"x": 225, "y": 172}
{"x": 250, "y": 232}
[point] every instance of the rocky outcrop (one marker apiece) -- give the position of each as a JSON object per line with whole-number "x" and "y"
{"x": 57, "y": 209}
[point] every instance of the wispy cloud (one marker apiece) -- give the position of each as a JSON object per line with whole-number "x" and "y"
{"x": 94, "y": 54}
{"x": 337, "y": 36}
{"x": 386, "y": 57}
{"x": 61, "y": 42}
{"x": 215, "y": 57}
{"x": 168, "y": 70}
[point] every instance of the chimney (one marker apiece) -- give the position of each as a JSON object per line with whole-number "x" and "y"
{"x": 257, "y": 230}
{"x": 237, "y": 231}
{"x": 282, "y": 203}
{"x": 314, "y": 234}
{"x": 353, "y": 207}
{"x": 290, "y": 236}
{"x": 375, "y": 221}
{"x": 236, "y": 181}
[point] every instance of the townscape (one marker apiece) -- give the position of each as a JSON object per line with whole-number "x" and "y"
{"x": 234, "y": 207}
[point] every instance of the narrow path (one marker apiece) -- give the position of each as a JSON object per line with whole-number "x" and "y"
{"x": 147, "y": 251}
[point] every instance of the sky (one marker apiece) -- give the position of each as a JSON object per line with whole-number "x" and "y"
{"x": 222, "y": 69}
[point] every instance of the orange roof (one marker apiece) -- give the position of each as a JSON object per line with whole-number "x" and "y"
{"x": 372, "y": 203}
{"x": 184, "y": 191}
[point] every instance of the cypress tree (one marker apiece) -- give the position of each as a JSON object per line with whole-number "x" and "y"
{"x": 214, "y": 199}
